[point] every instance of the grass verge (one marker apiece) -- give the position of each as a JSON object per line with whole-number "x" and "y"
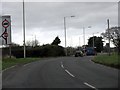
{"x": 112, "y": 60}
{"x": 0, "y": 64}
{"x": 8, "y": 62}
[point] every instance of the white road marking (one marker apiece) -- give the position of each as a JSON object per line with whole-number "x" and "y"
{"x": 89, "y": 85}
{"x": 62, "y": 65}
{"x": 69, "y": 73}
{"x": 27, "y": 64}
{"x": 92, "y": 61}
{"x": 102, "y": 65}
{"x": 66, "y": 70}
{"x": 9, "y": 68}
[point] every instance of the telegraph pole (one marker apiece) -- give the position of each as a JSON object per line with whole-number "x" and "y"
{"x": 24, "y": 30}
{"x": 108, "y": 37}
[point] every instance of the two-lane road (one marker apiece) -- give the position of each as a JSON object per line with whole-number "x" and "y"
{"x": 63, "y": 72}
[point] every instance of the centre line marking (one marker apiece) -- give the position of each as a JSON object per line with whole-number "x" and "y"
{"x": 67, "y": 70}
{"x": 69, "y": 73}
{"x": 62, "y": 65}
{"x": 89, "y": 85}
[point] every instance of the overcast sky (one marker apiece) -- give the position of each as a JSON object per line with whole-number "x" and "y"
{"x": 45, "y": 20}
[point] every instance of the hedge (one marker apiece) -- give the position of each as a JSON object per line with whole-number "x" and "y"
{"x": 40, "y": 51}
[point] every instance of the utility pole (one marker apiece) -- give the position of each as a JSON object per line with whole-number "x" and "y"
{"x": 24, "y": 31}
{"x": 108, "y": 37}
{"x": 79, "y": 41}
{"x": 65, "y": 35}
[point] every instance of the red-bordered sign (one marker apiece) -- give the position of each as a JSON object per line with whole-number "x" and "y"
{"x": 5, "y": 34}
{"x": 5, "y": 23}
{"x": 6, "y": 30}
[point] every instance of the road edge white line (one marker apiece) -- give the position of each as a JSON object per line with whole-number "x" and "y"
{"x": 102, "y": 65}
{"x": 9, "y": 68}
{"x": 26, "y": 64}
{"x": 69, "y": 73}
{"x": 89, "y": 85}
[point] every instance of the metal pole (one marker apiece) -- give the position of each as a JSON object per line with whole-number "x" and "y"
{"x": 79, "y": 41}
{"x": 93, "y": 40}
{"x": 84, "y": 35}
{"x": 108, "y": 36}
{"x": 24, "y": 30}
{"x": 84, "y": 39}
{"x": 65, "y": 35}
{"x": 10, "y": 45}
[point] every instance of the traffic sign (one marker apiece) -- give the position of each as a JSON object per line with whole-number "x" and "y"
{"x": 6, "y": 30}
{"x": 5, "y": 23}
{"x": 5, "y": 35}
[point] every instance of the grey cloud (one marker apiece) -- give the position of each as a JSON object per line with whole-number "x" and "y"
{"x": 51, "y": 14}
{"x": 48, "y": 16}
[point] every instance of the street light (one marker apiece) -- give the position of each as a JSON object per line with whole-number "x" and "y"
{"x": 24, "y": 30}
{"x": 84, "y": 37}
{"x": 84, "y": 34}
{"x": 65, "y": 32}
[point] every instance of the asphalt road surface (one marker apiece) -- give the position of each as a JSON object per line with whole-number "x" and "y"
{"x": 62, "y": 72}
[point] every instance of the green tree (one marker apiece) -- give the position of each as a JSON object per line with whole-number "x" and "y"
{"x": 98, "y": 43}
{"x": 114, "y": 35}
{"x": 56, "y": 41}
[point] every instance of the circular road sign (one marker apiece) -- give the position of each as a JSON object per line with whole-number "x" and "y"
{"x": 5, "y": 23}
{"x": 5, "y": 35}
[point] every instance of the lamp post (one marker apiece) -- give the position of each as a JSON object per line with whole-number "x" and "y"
{"x": 84, "y": 34}
{"x": 24, "y": 30}
{"x": 65, "y": 32}
{"x": 84, "y": 37}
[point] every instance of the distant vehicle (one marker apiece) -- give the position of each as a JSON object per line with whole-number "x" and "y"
{"x": 90, "y": 51}
{"x": 79, "y": 53}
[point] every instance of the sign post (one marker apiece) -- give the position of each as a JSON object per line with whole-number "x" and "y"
{"x": 6, "y": 32}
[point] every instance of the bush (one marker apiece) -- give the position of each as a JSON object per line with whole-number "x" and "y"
{"x": 42, "y": 51}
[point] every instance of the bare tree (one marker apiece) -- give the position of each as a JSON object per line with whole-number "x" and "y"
{"x": 32, "y": 43}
